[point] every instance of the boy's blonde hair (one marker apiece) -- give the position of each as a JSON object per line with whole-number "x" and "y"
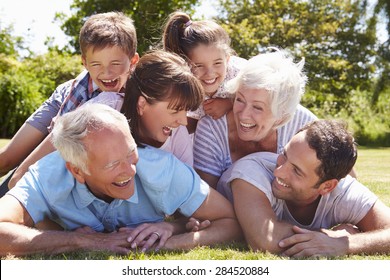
{"x": 107, "y": 30}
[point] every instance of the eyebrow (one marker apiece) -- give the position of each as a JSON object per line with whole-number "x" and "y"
{"x": 295, "y": 166}
{"x": 131, "y": 151}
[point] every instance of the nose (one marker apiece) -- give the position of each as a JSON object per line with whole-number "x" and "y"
{"x": 281, "y": 160}
{"x": 107, "y": 69}
{"x": 245, "y": 111}
{"x": 128, "y": 167}
{"x": 208, "y": 70}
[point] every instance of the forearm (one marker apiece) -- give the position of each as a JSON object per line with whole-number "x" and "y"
{"x": 220, "y": 231}
{"x": 266, "y": 236}
{"x": 43, "y": 149}
{"x": 20, "y": 240}
{"x": 369, "y": 242}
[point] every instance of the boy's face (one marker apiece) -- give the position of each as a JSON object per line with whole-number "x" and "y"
{"x": 109, "y": 67}
{"x": 210, "y": 63}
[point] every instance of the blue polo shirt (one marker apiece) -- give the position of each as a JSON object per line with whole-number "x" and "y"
{"x": 163, "y": 184}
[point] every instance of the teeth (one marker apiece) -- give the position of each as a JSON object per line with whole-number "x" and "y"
{"x": 123, "y": 183}
{"x": 168, "y": 128}
{"x": 247, "y": 125}
{"x": 109, "y": 81}
{"x": 210, "y": 81}
{"x": 281, "y": 183}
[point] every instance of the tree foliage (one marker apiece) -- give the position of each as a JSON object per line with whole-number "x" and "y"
{"x": 333, "y": 36}
{"x": 148, "y": 16}
{"x": 25, "y": 84}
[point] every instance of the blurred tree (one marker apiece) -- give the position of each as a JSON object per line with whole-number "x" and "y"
{"x": 333, "y": 36}
{"x": 9, "y": 45}
{"x": 148, "y": 16}
{"x": 383, "y": 59}
{"x": 25, "y": 84}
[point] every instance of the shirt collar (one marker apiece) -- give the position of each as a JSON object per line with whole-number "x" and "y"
{"x": 83, "y": 196}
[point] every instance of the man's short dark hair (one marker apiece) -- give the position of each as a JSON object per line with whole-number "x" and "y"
{"x": 335, "y": 148}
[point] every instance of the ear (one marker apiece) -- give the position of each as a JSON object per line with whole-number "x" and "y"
{"x": 76, "y": 172}
{"x": 134, "y": 60}
{"x": 328, "y": 186}
{"x": 83, "y": 60}
{"x": 141, "y": 105}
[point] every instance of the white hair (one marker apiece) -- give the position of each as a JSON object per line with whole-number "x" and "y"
{"x": 71, "y": 129}
{"x": 275, "y": 72}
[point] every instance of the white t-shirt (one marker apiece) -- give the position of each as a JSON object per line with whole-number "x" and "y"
{"x": 349, "y": 202}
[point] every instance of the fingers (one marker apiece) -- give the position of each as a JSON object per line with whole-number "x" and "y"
{"x": 204, "y": 224}
{"x": 146, "y": 236}
{"x": 194, "y": 224}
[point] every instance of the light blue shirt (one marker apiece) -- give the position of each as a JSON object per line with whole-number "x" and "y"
{"x": 163, "y": 184}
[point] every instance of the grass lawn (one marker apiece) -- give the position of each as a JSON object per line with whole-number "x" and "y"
{"x": 372, "y": 169}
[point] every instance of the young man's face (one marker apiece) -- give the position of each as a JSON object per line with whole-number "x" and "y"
{"x": 210, "y": 63}
{"x": 296, "y": 180}
{"x": 109, "y": 67}
{"x": 112, "y": 156}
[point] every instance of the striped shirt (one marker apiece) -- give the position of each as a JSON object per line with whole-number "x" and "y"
{"x": 211, "y": 144}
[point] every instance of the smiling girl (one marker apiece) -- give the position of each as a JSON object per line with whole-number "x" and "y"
{"x": 206, "y": 47}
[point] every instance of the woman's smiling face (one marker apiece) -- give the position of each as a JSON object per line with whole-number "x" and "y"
{"x": 252, "y": 114}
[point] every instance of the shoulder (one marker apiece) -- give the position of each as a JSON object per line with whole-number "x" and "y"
{"x": 50, "y": 177}
{"x": 157, "y": 169}
{"x": 303, "y": 111}
{"x": 256, "y": 169}
{"x": 351, "y": 186}
{"x": 112, "y": 99}
{"x": 209, "y": 124}
{"x": 256, "y": 164}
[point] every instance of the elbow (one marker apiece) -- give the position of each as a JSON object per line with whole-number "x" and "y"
{"x": 263, "y": 244}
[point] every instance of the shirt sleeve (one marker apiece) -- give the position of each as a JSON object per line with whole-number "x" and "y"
{"x": 353, "y": 202}
{"x": 42, "y": 117}
{"x": 211, "y": 147}
{"x": 256, "y": 169}
{"x": 180, "y": 145}
{"x": 28, "y": 192}
{"x": 169, "y": 183}
{"x": 112, "y": 99}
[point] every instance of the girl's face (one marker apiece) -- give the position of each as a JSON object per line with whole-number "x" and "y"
{"x": 210, "y": 65}
{"x": 158, "y": 121}
{"x": 252, "y": 114}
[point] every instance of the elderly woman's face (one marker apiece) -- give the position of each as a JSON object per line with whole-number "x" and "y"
{"x": 252, "y": 114}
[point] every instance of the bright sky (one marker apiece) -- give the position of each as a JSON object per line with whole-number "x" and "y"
{"x": 34, "y": 20}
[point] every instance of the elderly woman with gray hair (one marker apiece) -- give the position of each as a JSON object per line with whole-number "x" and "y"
{"x": 266, "y": 114}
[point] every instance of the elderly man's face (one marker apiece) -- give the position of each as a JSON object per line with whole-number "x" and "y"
{"x": 112, "y": 156}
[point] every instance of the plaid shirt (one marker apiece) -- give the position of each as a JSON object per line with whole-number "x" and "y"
{"x": 82, "y": 90}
